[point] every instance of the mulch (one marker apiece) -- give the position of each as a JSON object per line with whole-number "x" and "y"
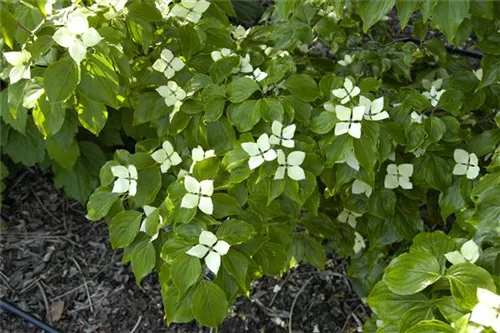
{"x": 58, "y": 266}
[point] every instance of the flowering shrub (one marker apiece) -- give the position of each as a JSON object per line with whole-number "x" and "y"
{"x": 235, "y": 153}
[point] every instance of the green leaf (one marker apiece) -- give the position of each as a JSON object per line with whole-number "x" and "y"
{"x": 186, "y": 270}
{"x": 485, "y": 142}
{"x": 65, "y": 156}
{"x": 143, "y": 259}
{"x": 124, "y": 227}
{"x": 144, "y": 10}
{"x": 8, "y": 27}
{"x": 303, "y": 87}
{"x": 141, "y": 32}
{"x": 448, "y": 15}
{"x": 365, "y": 149}
{"x": 452, "y": 200}
{"x": 491, "y": 70}
{"x": 48, "y": 117}
{"x": 435, "y": 129}
{"x": 28, "y": 150}
{"x": 235, "y": 231}
{"x": 100, "y": 202}
{"x": 191, "y": 40}
{"x": 487, "y": 214}
{"x": 147, "y": 107}
{"x": 221, "y": 69}
{"x": 271, "y": 257}
{"x": 323, "y": 123}
{"x": 225, "y": 205}
{"x": 451, "y": 101}
{"x": 405, "y": 10}
{"x": 244, "y": 116}
{"x": 270, "y": 109}
{"x": 464, "y": 279}
{"x": 60, "y": 79}
{"x": 431, "y": 326}
{"x": 437, "y": 243}
{"x": 373, "y": 11}
{"x": 148, "y": 185}
{"x": 240, "y": 89}
{"x": 236, "y": 264}
{"x": 99, "y": 81}
{"x": 314, "y": 252}
{"x": 209, "y": 304}
{"x": 437, "y": 172}
{"x": 92, "y": 114}
{"x": 412, "y": 272}
{"x": 339, "y": 149}
{"x": 382, "y": 203}
{"x": 450, "y": 308}
{"x": 213, "y": 110}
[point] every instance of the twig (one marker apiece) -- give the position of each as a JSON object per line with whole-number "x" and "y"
{"x": 295, "y": 301}
{"x": 47, "y": 310}
{"x": 349, "y": 317}
{"x": 43, "y": 206}
{"x": 84, "y": 284}
{"x": 136, "y": 324}
{"x": 281, "y": 286}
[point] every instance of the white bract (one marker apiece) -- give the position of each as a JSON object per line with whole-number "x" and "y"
{"x": 77, "y": 36}
{"x": 168, "y": 64}
{"x": 346, "y": 216}
{"x": 198, "y": 194}
{"x": 346, "y": 93}
{"x": 240, "y": 32}
{"x": 20, "y": 61}
{"x": 148, "y": 210}
{"x": 352, "y": 161}
{"x": 417, "y": 118}
{"x": 115, "y": 7}
{"x": 469, "y": 252}
{"x": 359, "y": 242}
{"x": 190, "y": 10}
{"x": 290, "y": 165}
{"x": 163, "y": 7}
{"x": 127, "y": 179}
{"x": 347, "y": 60}
{"x": 349, "y": 120}
{"x": 359, "y": 187}
{"x": 198, "y": 154}
{"x": 222, "y": 53}
{"x": 245, "y": 66}
{"x": 399, "y": 175}
{"x": 166, "y": 156}
{"x": 479, "y": 74}
{"x": 171, "y": 93}
{"x": 208, "y": 243}
{"x": 373, "y": 109}
{"x": 259, "y": 152}
{"x": 282, "y": 135}
{"x": 433, "y": 95}
{"x": 467, "y": 164}
{"x": 257, "y": 75}
{"x": 487, "y": 311}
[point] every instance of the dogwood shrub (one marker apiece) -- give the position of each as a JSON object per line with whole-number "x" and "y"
{"x": 329, "y": 127}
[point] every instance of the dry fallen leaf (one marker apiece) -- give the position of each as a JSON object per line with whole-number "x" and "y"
{"x": 56, "y": 310}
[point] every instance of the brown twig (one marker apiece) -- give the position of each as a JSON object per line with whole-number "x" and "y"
{"x": 43, "y": 206}
{"x": 295, "y": 301}
{"x": 84, "y": 284}
{"x": 47, "y": 309}
{"x": 136, "y": 324}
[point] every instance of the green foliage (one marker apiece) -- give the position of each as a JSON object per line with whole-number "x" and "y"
{"x": 218, "y": 154}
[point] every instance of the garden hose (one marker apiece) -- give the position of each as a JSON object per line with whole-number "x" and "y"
{"x": 4, "y": 305}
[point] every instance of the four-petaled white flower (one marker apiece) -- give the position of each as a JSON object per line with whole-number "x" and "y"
{"x": 20, "y": 62}
{"x": 115, "y": 7}
{"x": 198, "y": 154}
{"x": 487, "y": 310}
{"x": 466, "y": 164}
{"x": 290, "y": 165}
{"x": 208, "y": 243}
{"x": 171, "y": 93}
{"x": 350, "y": 120}
{"x": 191, "y": 10}
{"x": 282, "y": 135}
{"x": 373, "y": 109}
{"x": 222, "y": 53}
{"x": 77, "y": 36}
{"x": 168, "y": 64}
{"x": 198, "y": 194}
{"x": 127, "y": 179}
{"x": 257, "y": 75}
{"x": 347, "y": 60}
{"x": 166, "y": 156}
{"x": 259, "y": 152}
{"x": 346, "y": 216}
{"x": 148, "y": 210}
{"x": 245, "y": 66}
{"x": 399, "y": 175}
{"x": 359, "y": 187}
{"x": 240, "y": 32}
{"x": 163, "y": 7}
{"x": 469, "y": 252}
{"x": 359, "y": 242}
{"x": 417, "y": 118}
{"x": 347, "y": 92}
{"x": 433, "y": 95}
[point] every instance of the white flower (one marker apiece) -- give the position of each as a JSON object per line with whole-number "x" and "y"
{"x": 257, "y": 75}
{"x": 222, "y": 53}
{"x": 417, "y": 118}
{"x": 259, "y": 152}
{"x": 399, "y": 175}
{"x": 163, "y": 7}
{"x": 198, "y": 194}
{"x": 240, "y": 32}
{"x": 359, "y": 242}
{"x": 148, "y": 210}
{"x": 373, "y": 109}
{"x": 347, "y": 61}
{"x": 479, "y": 74}
{"x": 346, "y": 216}
{"x": 77, "y": 36}
{"x": 466, "y": 164}
{"x": 127, "y": 179}
{"x": 347, "y": 92}
{"x": 469, "y": 252}
{"x": 191, "y": 10}
{"x": 198, "y": 154}
{"x": 171, "y": 93}
{"x": 291, "y": 165}
{"x": 182, "y": 173}
{"x": 245, "y": 66}
{"x": 282, "y": 135}
{"x": 208, "y": 243}
{"x": 115, "y": 7}
{"x": 350, "y": 120}
{"x": 359, "y": 187}
{"x": 487, "y": 310}
{"x": 166, "y": 156}
{"x": 20, "y": 62}
{"x": 168, "y": 64}
{"x": 433, "y": 95}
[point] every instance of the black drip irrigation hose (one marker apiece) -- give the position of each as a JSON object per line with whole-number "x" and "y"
{"x": 4, "y": 305}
